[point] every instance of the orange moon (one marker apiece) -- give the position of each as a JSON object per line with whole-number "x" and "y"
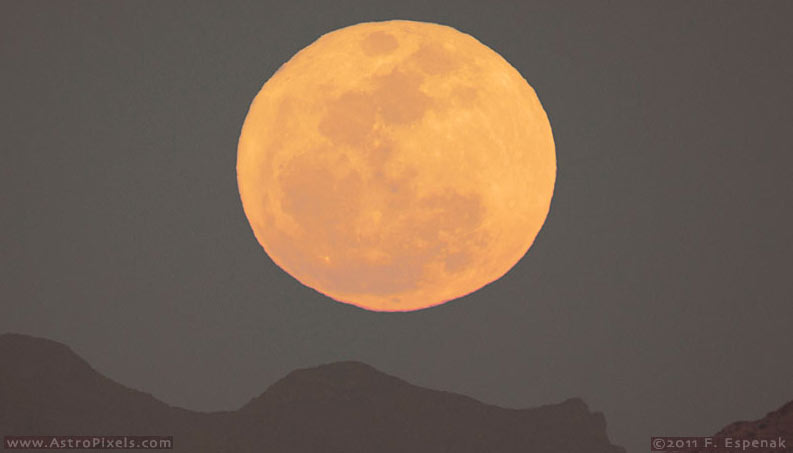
{"x": 396, "y": 165}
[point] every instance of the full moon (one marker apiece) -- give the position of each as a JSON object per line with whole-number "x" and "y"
{"x": 396, "y": 165}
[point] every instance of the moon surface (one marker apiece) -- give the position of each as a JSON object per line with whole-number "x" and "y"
{"x": 396, "y": 165}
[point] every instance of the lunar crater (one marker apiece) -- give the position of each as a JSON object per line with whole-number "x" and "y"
{"x": 379, "y": 43}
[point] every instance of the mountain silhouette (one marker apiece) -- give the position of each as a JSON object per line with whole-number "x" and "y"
{"x": 349, "y": 407}
{"x": 776, "y": 423}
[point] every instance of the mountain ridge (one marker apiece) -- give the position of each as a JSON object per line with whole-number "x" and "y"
{"x": 778, "y": 422}
{"x": 337, "y": 407}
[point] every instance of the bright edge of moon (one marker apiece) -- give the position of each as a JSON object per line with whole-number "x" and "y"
{"x": 396, "y": 165}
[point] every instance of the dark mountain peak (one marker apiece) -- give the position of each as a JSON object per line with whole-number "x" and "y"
{"x": 343, "y": 365}
{"x": 40, "y": 359}
{"x": 50, "y": 388}
{"x": 574, "y": 403}
{"x": 25, "y": 343}
{"x": 338, "y": 373}
{"x": 573, "y": 409}
{"x": 329, "y": 382}
{"x": 775, "y": 423}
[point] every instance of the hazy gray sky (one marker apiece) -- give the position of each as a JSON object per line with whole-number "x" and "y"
{"x": 659, "y": 289}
